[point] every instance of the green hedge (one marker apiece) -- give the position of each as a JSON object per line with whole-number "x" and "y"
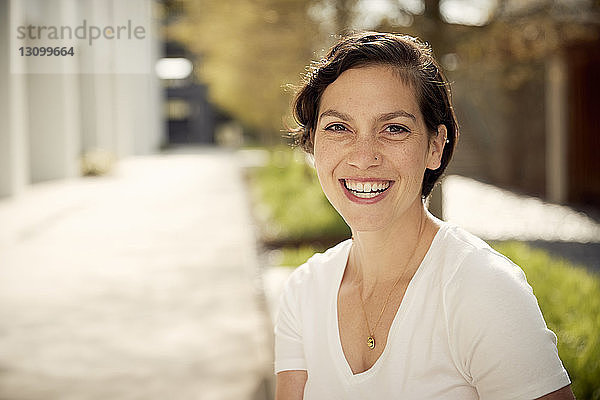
{"x": 569, "y": 297}
{"x": 290, "y": 203}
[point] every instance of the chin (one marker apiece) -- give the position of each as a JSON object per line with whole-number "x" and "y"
{"x": 365, "y": 222}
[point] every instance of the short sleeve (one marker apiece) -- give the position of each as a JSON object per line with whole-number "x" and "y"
{"x": 289, "y": 350}
{"x": 497, "y": 332}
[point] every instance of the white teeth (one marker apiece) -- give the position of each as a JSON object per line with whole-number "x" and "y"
{"x": 366, "y": 190}
{"x": 369, "y": 195}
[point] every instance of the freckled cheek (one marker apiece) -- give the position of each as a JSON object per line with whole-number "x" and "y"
{"x": 326, "y": 158}
{"x": 325, "y": 169}
{"x": 318, "y": 151}
{"x": 327, "y": 180}
{"x": 404, "y": 162}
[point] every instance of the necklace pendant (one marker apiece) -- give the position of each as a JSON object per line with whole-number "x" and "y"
{"x": 371, "y": 342}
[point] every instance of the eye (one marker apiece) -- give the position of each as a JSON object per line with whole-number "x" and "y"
{"x": 336, "y": 128}
{"x": 396, "y": 129}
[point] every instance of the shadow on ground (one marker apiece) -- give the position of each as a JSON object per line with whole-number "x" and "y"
{"x": 585, "y": 254}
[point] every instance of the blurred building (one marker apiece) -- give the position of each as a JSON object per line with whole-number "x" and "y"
{"x": 53, "y": 110}
{"x": 190, "y": 117}
{"x": 526, "y": 90}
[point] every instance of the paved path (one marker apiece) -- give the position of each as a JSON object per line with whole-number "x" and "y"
{"x": 496, "y": 214}
{"x": 140, "y": 285}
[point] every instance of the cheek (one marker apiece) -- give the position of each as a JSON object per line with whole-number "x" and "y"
{"x": 323, "y": 156}
{"x": 326, "y": 162}
{"x": 320, "y": 160}
{"x": 324, "y": 167}
{"x": 409, "y": 160}
{"x": 317, "y": 151}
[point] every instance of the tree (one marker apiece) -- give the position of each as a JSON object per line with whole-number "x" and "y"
{"x": 249, "y": 50}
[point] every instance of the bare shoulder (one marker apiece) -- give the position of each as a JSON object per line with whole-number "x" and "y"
{"x": 290, "y": 385}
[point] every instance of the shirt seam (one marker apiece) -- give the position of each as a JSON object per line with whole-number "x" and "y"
{"x": 546, "y": 386}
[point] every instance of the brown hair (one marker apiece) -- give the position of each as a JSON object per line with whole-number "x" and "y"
{"x": 415, "y": 62}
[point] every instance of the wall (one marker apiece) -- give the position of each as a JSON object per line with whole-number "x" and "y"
{"x": 54, "y": 110}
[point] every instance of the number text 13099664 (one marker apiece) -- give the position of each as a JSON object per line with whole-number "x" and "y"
{"x": 46, "y": 51}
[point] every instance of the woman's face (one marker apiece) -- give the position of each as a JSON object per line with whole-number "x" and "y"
{"x": 371, "y": 147}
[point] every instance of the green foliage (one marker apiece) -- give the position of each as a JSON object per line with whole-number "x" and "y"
{"x": 569, "y": 297}
{"x": 291, "y": 203}
{"x": 295, "y": 256}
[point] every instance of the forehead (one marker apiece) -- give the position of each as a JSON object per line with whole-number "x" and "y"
{"x": 369, "y": 90}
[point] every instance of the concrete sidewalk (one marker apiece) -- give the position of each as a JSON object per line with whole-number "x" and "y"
{"x": 139, "y": 285}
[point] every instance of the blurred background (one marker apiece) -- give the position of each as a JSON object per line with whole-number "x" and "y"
{"x": 151, "y": 206}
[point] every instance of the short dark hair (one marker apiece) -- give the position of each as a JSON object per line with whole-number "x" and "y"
{"x": 411, "y": 57}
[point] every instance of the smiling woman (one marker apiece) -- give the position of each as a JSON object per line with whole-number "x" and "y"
{"x": 374, "y": 139}
{"x": 411, "y": 307}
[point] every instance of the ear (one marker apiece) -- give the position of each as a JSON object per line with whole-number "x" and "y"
{"x": 436, "y": 148}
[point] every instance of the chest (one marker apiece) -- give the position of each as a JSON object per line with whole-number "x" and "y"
{"x": 364, "y": 326}
{"x": 411, "y": 359}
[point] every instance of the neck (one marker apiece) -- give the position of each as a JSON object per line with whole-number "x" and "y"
{"x": 382, "y": 256}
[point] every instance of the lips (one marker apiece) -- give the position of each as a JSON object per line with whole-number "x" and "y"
{"x": 369, "y": 189}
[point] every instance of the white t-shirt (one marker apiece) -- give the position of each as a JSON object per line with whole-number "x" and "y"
{"x": 468, "y": 327}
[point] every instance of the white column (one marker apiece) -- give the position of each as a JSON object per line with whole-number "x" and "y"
{"x": 137, "y": 95}
{"x": 13, "y": 110}
{"x": 97, "y": 86}
{"x": 556, "y": 129}
{"x": 54, "y": 115}
{"x": 156, "y": 126}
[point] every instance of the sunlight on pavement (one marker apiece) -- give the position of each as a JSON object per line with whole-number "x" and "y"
{"x": 497, "y": 214}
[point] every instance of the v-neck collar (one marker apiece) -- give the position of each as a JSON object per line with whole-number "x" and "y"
{"x": 334, "y": 337}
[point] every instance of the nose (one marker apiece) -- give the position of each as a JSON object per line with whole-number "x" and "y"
{"x": 364, "y": 154}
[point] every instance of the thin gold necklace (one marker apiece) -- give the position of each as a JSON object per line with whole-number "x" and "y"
{"x": 371, "y": 338}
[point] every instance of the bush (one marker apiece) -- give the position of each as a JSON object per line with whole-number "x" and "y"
{"x": 290, "y": 202}
{"x": 569, "y": 298}
{"x": 97, "y": 162}
{"x": 295, "y": 256}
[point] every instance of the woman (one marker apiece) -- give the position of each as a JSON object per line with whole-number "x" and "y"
{"x": 411, "y": 307}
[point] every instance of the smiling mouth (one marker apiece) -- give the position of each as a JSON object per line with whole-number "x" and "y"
{"x": 366, "y": 190}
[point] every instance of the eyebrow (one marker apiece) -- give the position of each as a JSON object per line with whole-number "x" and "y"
{"x": 382, "y": 117}
{"x": 334, "y": 113}
{"x": 396, "y": 114}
